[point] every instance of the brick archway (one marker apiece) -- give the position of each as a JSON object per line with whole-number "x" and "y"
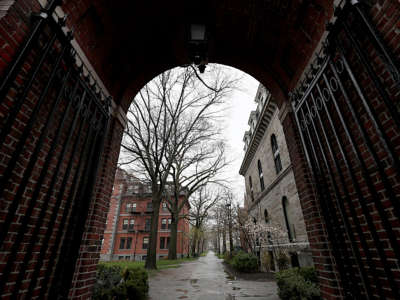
{"x": 123, "y": 47}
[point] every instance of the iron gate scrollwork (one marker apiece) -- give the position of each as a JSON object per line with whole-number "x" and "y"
{"x": 51, "y": 138}
{"x": 348, "y": 121}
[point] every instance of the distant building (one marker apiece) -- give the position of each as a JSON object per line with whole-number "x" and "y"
{"x": 128, "y": 222}
{"x": 271, "y": 193}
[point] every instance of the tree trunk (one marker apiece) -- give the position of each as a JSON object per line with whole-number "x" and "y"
{"x": 224, "y": 238}
{"x": 194, "y": 242}
{"x": 151, "y": 260}
{"x": 173, "y": 237}
{"x": 198, "y": 246}
{"x": 218, "y": 242}
{"x": 230, "y": 236}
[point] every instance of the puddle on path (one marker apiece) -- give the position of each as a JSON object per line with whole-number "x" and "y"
{"x": 229, "y": 276}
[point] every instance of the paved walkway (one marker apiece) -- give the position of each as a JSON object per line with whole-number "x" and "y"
{"x": 205, "y": 279}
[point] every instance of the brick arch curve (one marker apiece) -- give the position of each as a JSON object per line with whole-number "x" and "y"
{"x": 253, "y": 69}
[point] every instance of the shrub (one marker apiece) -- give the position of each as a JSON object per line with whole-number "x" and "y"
{"x": 227, "y": 257}
{"x": 244, "y": 262}
{"x": 283, "y": 261}
{"x": 118, "y": 282}
{"x": 298, "y": 284}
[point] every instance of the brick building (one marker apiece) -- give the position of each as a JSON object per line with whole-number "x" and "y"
{"x": 271, "y": 194}
{"x": 128, "y": 222}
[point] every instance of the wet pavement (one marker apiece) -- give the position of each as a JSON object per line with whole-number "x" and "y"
{"x": 206, "y": 279}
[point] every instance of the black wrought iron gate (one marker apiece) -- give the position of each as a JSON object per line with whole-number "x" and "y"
{"x": 53, "y": 125}
{"x": 347, "y": 110}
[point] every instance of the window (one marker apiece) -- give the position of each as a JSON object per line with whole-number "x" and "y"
{"x": 285, "y": 206}
{"x": 120, "y": 257}
{"x": 164, "y": 206}
{"x": 122, "y": 243}
{"x": 147, "y": 225}
{"x": 169, "y": 224}
{"x": 149, "y": 206}
{"x": 275, "y": 153}
{"x": 131, "y": 224}
{"x": 167, "y": 243}
{"x": 125, "y": 223}
{"x": 260, "y": 175}
{"x": 127, "y": 257}
{"x": 163, "y": 223}
{"x": 130, "y": 207}
{"x": 128, "y": 243}
{"x": 145, "y": 242}
{"x": 162, "y": 242}
{"x": 251, "y": 188}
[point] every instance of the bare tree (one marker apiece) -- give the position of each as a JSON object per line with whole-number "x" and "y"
{"x": 201, "y": 203}
{"x": 191, "y": 170}
{"x": 154, "y": 129}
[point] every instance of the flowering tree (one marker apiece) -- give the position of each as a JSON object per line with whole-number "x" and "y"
{"x": 259, "y": 233}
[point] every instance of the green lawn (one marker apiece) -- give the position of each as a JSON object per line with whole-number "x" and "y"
{"x": 161, "y": 264}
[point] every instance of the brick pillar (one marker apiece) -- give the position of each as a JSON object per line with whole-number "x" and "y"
{"x": 316, "y": 229}
{"x": 85, "y": 270}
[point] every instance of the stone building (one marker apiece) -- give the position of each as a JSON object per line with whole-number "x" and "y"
{"x": 271, "y": 195}
{"x": 128, "y": 222}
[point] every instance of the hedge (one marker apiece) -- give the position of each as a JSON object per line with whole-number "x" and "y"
{"x": 118, "y": 282}
{"x": 244, "y": 262}
{"x": 298, "y": 284}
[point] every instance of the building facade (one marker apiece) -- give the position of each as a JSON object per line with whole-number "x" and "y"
{"x": 271, "y": 195}
{"x": 128, "y": 222}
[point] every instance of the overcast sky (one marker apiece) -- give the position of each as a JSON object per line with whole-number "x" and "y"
{"x": 240, "y": 106}
{"x": 234, "y": 124}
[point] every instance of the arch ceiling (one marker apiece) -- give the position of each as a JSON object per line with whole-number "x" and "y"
{"x": 130, "y": 42}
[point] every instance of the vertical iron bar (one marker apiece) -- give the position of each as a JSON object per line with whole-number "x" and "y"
{"x": 391, "y": 108}
{"x": 87, "y": 139}
{"x": 26, "y": 176}
{"x": 329, "y": 218}
{"x": 18, "y": 102}
{"x": 82, "y": 169}
{"x": 70, "y": 249}
{"x": 89, "y": 190}
{"x": 314, "y": 168}
{"x": 362, "y": 200}
{"x": 376, "y": 123}
{"x": 33, "y": 38}
{"x": 394, "y": 199}
{"x": 356, "y": 253}
{"x": 40, "y": 180}
{"x": 379, "y": 44}
{"x": 364, "y": 170}
{"x": 21, "y": 143}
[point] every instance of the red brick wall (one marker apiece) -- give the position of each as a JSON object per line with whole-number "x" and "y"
{"x": 119, "y": 194}
{"x": 385, "y": 14}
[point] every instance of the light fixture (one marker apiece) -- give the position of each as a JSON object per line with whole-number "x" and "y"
{"x": 198, "y": 45}
{"x": 197, "y": 32}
